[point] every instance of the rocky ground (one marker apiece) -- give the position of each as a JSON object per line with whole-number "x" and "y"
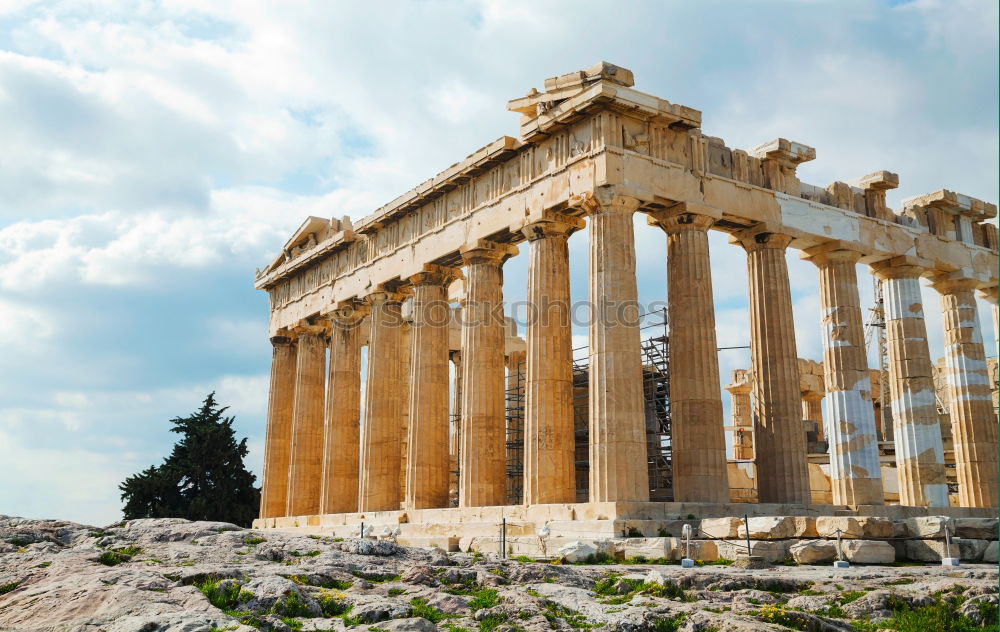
{"x": 175, "y": 575}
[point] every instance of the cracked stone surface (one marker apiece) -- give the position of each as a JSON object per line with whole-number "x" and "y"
{"x": 52, "y": 579}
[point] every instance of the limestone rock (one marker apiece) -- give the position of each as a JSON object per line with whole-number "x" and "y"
{"x": 365, "y": 546}
{"x": 419, "y": 575}
{"x": 779, "y": 528}
{"x": 976, "y": 528}
{"x": 271, "y": 592}
{"x": 854, "y": 527}
{"x": 992, "y": 552}
{"x": 576, "y": 552}
{"x": 415, "y": 624}
{"x": 813, "y": 551}
{"x": 933, "y": 550}
{"x": 770, "y": 550}
{"x": 722, "y": 528}
{"x": 925, "y": 526}
{"x": 868, "y": 552}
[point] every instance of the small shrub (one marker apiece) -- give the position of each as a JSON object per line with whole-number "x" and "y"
{"x": 395, "y": 592}
{"x": 43, "y": 565}
{"x": 223, "y": 599}
{"x": 524, "y": 559}
{"x": 291, "y": 606}
{"x": 119, "y": 556}
{"x": 332, "y": 605}
{"x": 849, "y": 596}
{"x": 486, "y": 598}
{"x": 669, "y": 624}
{"x": 492, "y": 621}
{"x": 6, "y": 588}
{"x": 253, "y": 540}
{"x": 634, "y": 533}
{"x": 420, "y": 608}
{"x": 692, "y": 517}
{"x": 662, "y": 533}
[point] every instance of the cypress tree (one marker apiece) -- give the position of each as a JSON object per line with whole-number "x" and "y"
{"x": 203, "y": 478}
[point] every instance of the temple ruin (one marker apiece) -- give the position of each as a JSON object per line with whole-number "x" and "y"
{"x": 453, "y": 423}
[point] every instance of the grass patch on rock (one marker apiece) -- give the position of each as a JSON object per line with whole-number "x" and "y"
{"x": 119, "y": 555}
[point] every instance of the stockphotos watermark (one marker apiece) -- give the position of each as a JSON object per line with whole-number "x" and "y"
{"x": 544, "y": 313}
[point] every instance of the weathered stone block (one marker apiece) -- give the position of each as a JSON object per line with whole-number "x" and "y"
{"x": 779, "y": 528}
{"x": 649, "y": 548}
{"x": 933, "y": 550}
{"x": 854, "y": 527}
{"x": 976, "y": 528}
{"x": 868, "y": 552}
{"x": 925, "y": 526}
{"x": 813, "y": 551}
{"x": 700, "y": 549}
{"x": 770, "y": 550}
{"x": 992, "y": 552}
{"x": 720, "y": 527}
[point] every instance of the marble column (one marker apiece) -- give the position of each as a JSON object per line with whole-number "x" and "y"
{"x": 779, "y": 439}
{"x": 970, "y": 401}
{"x": 380, "y": 455}
{"x": 549, "y": 468}
{"x": 455, "y": 429}
{"x": 427, "y": 458}
{"x": 698, "y": 442}
{"x": 274, "y": 490}
{"x": 483, "y": 473}
{"x": 916, "y": 425}
{"x": 306, "y": 456}
{"x": 855, "y": 471}
{"x": 343, "y": 411}
{"x": 741, "y": 415}
{"x": 618, "y": 464}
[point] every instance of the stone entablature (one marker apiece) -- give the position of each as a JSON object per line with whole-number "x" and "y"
{"x": 601, "y": 133}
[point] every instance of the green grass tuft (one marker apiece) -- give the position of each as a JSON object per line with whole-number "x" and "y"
{"x": 485, "y": 598}
{"x": 6, "y": 588}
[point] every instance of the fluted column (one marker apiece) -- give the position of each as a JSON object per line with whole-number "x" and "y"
{"x": 916, "y": 426}
{"x": 483, "y": 476}
{"x": 306, "y": 457}
{"x": 427, "y": 458}
{"x": 780, "y": 441}
{"x": 343, "y": 411}
{"x": 970, "y": 402}
{"x": 741, "y": 414}
{"x": 455, "y": 429}
{"x": 698, "y": 442}
{"x": 618, "y": 464}
{"x": 380, "y": 456}
{"x": 855, "y": 471}
{"x": 549, "y": 468}
{"x": 281, "y": 399}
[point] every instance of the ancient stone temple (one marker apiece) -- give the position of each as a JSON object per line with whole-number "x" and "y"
{"x": 393, "y": 359}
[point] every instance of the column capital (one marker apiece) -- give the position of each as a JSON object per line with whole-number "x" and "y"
{"x": 382, "y": 294}
{"x": 830, "y": 252}
{"x": 904, "y": 267}
{"x": 760, "y": 238}
{"x": 285, "y": 338}
{"x": 311, "y": 326}
{"x": 951, "y": 284}
{"x": 812, "y": 396}
{"x": 552, "y": 225}
{"x": 608, "y": 200}
{"x": 677, "y": 219}
{"x": 348, "y": 313}
{"x": 484, "y": 251}
{"x": 743, "y": 388}
{"x": 988, "y": 294}
{"x": 435, "y": 275}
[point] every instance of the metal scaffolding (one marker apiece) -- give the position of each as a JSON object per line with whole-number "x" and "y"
{"x": 656, "y": 391}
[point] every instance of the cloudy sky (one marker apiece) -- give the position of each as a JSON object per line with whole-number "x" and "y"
{"x": 155, "y": 153}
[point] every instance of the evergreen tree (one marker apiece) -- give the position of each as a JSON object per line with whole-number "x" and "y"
{"x": 203, "y": 478}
